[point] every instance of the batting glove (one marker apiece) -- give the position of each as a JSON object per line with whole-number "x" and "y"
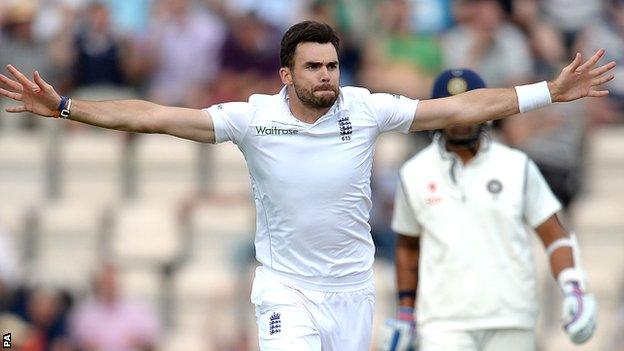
{"x": 401, "y": 331}
{"x": 578, "y": 313}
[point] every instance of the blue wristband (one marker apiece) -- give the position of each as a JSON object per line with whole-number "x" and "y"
{"x": 63, "y": 103}
{"x": 64, "y": 107}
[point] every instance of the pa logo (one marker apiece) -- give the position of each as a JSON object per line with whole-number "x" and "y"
{"x": 6, "y": 341}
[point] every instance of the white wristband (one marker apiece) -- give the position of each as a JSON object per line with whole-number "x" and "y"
{"x": 571, "y": 275}
{"x": 533, "y": 96}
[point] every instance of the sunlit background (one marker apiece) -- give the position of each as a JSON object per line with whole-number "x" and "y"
{"x": 166, "y": 226}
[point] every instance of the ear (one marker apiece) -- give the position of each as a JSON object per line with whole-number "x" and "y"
{"x": 285, "y": 75}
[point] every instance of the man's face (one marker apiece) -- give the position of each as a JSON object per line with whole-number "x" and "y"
{"x": 460, "y": 133}
{"x": 315, "y": 74}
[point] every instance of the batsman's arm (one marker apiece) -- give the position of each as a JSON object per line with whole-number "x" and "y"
{"x": 406, "y": 260}
{"x": 577, "y": 80}
{"x": 40, "y": 98}
{"x": 579, "y": 308}
{"x": 549, "y": 232}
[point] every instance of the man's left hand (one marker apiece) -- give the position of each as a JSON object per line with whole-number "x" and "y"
{"x": 578, "y": 79}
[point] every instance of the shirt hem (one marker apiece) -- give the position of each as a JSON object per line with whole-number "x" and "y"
{"x": 518, "y": 322}
{"x": 352, "y": 282}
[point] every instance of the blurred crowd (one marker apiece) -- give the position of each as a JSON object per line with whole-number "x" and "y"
{"x": 196, "y": 53}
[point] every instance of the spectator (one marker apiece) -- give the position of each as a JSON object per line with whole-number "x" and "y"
{"x": 130, "y": 18}
{"x": 98, "y": 51}
{"x": 397, "y": 60}
{"x": 431, "y": 16}
{"x": 485, "y": 41}
{"x": 570, "y": 17}
{"x": 109, "y": 322}
{"x": 608, "y": 33}
{"x": 46, "y": 311}
{"x": 19, "y": 44}
{"x": 279, "y": 13}
{"x": 546, "y": 43}
{"x": 185, "y": 54}
{"x": 249, "y": 60}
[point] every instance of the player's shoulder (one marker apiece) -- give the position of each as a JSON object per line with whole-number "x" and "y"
{"x": 508, "y": 153}
{"x": 354, "y": 97}
{"x": 351, "y": 92}
{"x": 265, "y": 100}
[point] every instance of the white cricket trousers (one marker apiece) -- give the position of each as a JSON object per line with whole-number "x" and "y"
{"x": 291, "y": 318}
{"x": 477, "y": 340}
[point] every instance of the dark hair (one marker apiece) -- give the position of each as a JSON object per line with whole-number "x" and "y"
{"x": 305, "y": 32}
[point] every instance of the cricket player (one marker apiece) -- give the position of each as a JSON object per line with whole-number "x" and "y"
{"x": 463, "y": 256}
{"x": 309, "y": 150}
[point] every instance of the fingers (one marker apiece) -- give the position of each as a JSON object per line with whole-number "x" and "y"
{"x": 602, "y": 69}
{"x": 26, "y": 83}
{"x": 592, "y": 61}
{"x": 16, "y": 109}
{"x": 573, "y": 66}
{"x": 10, "y": 83}
{"x": 598, "y": 93}
{"x": 40, "y": 82}
{"x": 602, "y": 80}
{"x": 11, "y": 95}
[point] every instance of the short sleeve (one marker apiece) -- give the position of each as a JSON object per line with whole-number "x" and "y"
{"x": 540, "y": 202}
{"x": 230, "y": 120}
{"x": 394, "y": 113}
{"x": 404, "y": 219}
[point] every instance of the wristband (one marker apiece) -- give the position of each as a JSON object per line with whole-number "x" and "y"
{"x": 533, "y": 96}
{"x": 65, "y": 107}
{"x": 559, "y": 243}
{"x": 407, "y": 293}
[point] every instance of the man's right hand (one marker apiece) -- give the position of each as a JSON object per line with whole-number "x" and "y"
{"x": 400, "y": 332}
{"x": 37, "y": 97}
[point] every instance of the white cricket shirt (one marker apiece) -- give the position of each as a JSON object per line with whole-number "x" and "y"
{"x": 476, "y": 267}
{"x": 311, "y": 182}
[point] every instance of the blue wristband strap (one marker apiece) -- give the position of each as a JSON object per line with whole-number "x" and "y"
{"x": 407, "y": 293}
{"x": 64, "y": 107}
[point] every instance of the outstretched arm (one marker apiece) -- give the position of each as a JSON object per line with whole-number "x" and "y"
{"x": 577, "y": 80}
{"x": 40, "y": 98}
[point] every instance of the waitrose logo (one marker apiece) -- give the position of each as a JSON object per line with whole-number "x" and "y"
{"x": 260, "y": 130}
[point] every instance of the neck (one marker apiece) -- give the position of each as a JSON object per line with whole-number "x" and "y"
{"x": 464, "y": 153}
{"x": 303, "y": 112}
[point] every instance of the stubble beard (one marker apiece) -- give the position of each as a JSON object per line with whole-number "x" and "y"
{"x": 307, "y": 97}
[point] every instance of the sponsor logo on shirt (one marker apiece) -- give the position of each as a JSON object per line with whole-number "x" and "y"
{"x": 432, "y": 198}
{"x": 266, "y": 131}
{"x": 275, "y": 324}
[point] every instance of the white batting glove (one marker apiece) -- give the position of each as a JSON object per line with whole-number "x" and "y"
{"x": 400, "y": 334}
{"x": 578, "y": 313}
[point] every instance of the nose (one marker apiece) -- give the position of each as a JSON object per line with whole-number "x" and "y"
{"x": 325, "y": 75}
